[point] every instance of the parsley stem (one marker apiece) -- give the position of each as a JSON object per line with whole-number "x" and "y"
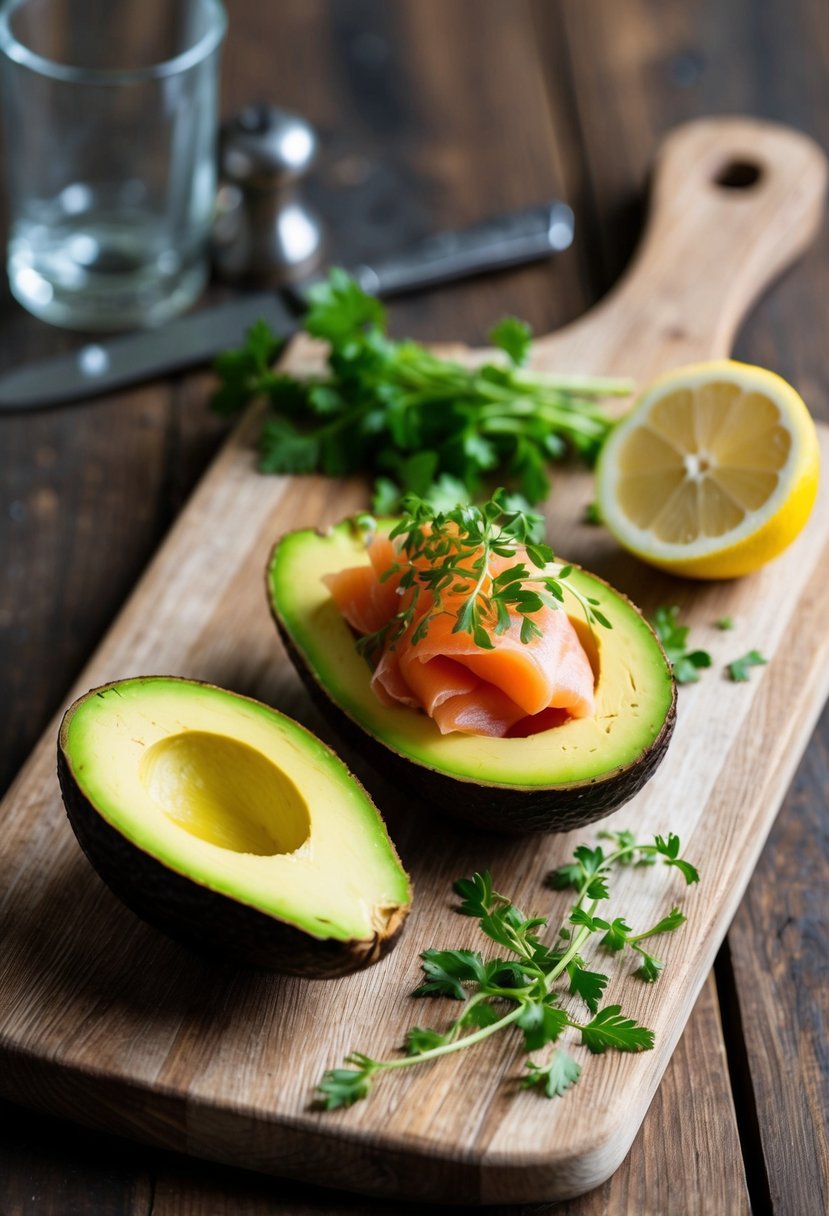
{"x": 446, "y": 1049}
{"x": 575, "y": 945}
{"x": 599, "y": 386}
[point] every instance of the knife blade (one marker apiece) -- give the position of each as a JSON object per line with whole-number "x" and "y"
{"x": 101, "y": 367}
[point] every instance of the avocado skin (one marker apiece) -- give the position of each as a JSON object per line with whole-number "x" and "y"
{"x": 213, "y": 925}
{"x": 497, "y": 808}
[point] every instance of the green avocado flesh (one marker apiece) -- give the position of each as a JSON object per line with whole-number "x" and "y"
{"x": 635, "y": 692}
{"x": 243, "y": 817}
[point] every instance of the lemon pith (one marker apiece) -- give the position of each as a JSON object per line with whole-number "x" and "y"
{"x": 713, "y": 472}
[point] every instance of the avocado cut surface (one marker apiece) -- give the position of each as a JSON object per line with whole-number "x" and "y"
{"x": 553, "y": 780}
{"x": 230, "y": 826}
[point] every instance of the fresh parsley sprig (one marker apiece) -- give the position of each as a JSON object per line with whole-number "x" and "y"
{"x": 448, "y": 555}
{"x": 413, "y": 421}
{"x": 526, "y": 988}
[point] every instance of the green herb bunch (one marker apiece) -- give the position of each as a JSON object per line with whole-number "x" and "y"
{"x": 411, "y": 420}
{"x": 526, "y": 987}
{"x": 449, "y": 555}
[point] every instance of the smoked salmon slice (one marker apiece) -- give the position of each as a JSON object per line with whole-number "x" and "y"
{"x": 517, "y": 688}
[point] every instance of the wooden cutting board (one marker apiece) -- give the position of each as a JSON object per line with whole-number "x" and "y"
{"x": 105, "y": 1021}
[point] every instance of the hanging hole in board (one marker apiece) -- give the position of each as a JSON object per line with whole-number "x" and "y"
{"x": 738, "y": 175}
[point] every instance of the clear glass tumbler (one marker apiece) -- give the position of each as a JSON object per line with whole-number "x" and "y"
{"x": 110, "y": 112}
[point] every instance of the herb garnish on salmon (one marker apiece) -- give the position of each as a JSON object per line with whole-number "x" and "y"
{"x": 461, "y": 614}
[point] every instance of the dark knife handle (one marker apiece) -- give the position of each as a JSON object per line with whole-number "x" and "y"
{"x": 507, "y": 240}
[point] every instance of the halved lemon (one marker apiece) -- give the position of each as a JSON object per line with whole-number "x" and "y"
{"x": 713, "y": 472}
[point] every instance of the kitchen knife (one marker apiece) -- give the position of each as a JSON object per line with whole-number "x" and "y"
{"x": 100, "y": 367}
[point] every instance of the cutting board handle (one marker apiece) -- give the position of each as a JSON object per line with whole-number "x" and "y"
{"x": 734, "y": 201}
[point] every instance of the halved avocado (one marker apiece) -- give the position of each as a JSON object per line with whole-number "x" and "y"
{"x": 230, "y": 827}
{"x": 554, "y": 781}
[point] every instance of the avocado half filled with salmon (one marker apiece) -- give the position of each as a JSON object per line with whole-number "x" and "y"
{"x": 230, "y": 827}
{"x": 573, "y": 773}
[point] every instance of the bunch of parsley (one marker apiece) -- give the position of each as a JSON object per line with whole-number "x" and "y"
{"x": 412, "y": 421}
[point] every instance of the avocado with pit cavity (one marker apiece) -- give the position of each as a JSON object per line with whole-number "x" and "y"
{"x": 230, "y": 827}
{"x": 553, "y": 781}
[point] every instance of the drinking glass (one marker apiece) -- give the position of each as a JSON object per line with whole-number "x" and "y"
{"x": 110, "y": 115}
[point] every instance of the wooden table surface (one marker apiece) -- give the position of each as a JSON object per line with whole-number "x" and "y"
{"x": 437, "y": 113}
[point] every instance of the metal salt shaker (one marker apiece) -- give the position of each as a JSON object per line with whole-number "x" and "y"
{"x": 264, "y": 231}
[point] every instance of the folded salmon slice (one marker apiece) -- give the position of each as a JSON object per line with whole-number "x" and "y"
{"x": 516, "y": 688}
{"x": 365, "y": 602}
{"x": 550, "y": 670}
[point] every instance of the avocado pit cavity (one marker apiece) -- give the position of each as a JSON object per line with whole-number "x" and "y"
{"x": 224, "y": 792}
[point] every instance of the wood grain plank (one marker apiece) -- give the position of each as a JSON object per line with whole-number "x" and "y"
{"x": 84, "y": 1175}
{"x": 669, "y": 63}
{"x": 778, "y": 950}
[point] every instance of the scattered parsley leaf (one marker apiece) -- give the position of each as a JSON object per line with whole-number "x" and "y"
{"x": 673, "y": 636}
{"x": 593, "y": 514}
{"x": 725, "y": 622}
{"x": 650, "y": 969}
{"x": 345, "y": 1086}
{"x": 738, "y": 670}
{"x": 553, "y": 1078}
{"x": 482, "y": 1014}
{"x": 667, "y": 924}
{"x": 475, "y": 892}
{"x": 569, "y": 875}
